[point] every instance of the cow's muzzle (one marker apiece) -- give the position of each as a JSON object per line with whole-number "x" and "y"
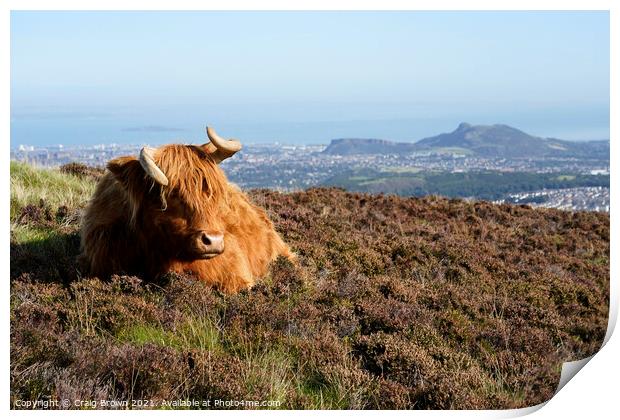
{"x": 209, "y": 244}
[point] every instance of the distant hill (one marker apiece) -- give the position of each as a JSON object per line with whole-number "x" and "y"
{"x": 502, "y": 141}
{"x": 367, "y": 147}
{"x": 498, "y": 140}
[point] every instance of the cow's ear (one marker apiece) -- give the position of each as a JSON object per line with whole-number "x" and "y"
{"x": 125, "y": 168}
{"x": 129, "y": 173}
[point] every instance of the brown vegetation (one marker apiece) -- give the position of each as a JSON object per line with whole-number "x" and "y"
{"x": 396, "y": 303}
{"x": 81, "y": 170}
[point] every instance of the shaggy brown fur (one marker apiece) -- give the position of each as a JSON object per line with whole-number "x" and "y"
{"x": 133, "y": 225}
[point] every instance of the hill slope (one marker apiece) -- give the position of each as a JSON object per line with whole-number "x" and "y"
{"x": 486, "y": 185}
{"x": 355, "y": 146}
{"x": 498, "y": 140}
{"x": 491, "y": 141}
{"x": 397, "y": 303}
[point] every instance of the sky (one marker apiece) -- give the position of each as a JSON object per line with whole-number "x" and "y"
{"x": 305, "y": 77}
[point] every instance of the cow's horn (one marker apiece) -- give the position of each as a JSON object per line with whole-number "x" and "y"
{"x": 225, "y": 148}
{"x": 149, "y": 166}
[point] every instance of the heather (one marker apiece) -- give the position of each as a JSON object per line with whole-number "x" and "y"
{"x": 423, "y": 303}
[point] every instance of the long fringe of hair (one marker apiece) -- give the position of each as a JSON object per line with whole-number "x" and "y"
{"x": 194, "y": 175}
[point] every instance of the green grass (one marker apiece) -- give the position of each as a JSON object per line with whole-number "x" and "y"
{"x": 47, "y": 237}
{"x": 324, "y": 397}
{"x": 400, "y": 169}
{"x": 31, "y": 185}
{"x": 411, "y": 180}
{"x": 273, "y": 367}
{"x": 270, "y": 369}
{"x": 359, "y": 178}
{"x": 486, "y": 185}
{"x": 51, "y": 250}
{"x": 22, "y": 234}
{"x": 193, "y": 334}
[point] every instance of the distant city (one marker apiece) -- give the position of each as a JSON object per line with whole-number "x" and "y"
{"x": 289, "y": 168}
{"x": 568, "y": 181}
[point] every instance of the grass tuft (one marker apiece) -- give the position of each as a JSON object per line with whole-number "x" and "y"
{"x": 31, "y": 185}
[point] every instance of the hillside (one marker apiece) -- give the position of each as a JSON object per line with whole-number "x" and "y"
{"x": 499, "y": 140}
{"x": 486, "y": 185}
{"x": 355, "y": 146}
{"x": 396, "y": 303}
{"x": 489, "y": 141}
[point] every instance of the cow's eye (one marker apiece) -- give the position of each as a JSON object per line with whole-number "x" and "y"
{"x": 176, "y": 224}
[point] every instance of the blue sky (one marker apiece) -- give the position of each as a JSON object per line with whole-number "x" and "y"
{"x": 306, "y": 76}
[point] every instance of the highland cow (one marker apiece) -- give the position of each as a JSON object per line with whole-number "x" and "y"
{"x": 172, "y": 209}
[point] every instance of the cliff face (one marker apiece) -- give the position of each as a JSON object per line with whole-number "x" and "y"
{"x": 396, "y": 303}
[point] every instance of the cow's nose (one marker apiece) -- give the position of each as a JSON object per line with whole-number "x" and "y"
{"x": 212, "y": 243}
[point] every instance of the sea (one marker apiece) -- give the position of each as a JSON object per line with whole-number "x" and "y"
{"x": 34, "y": 126}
